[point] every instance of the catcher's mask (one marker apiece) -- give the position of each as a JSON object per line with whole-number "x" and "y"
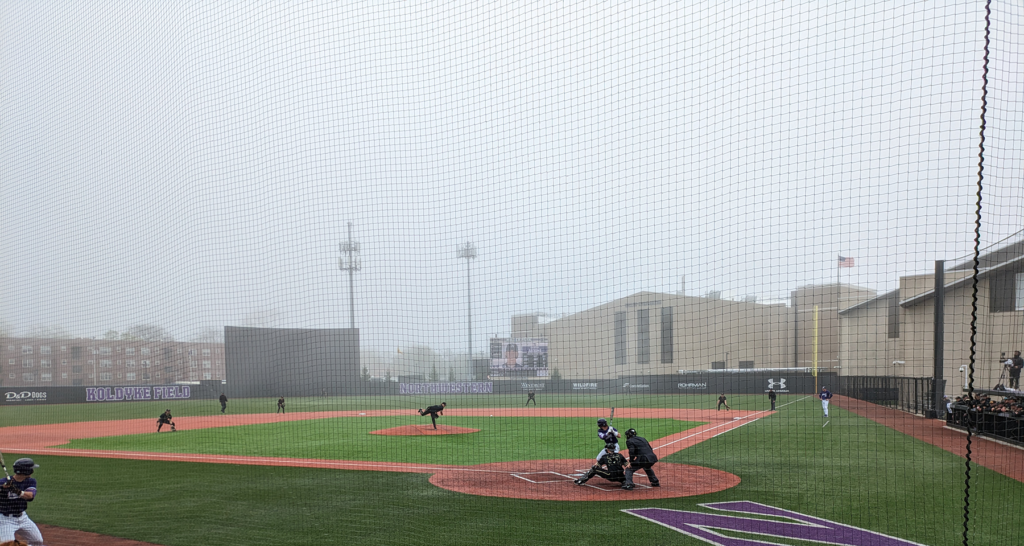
{"x": 631, "y": 433}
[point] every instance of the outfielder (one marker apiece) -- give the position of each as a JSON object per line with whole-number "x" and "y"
{"x": 609, "y": 466}
{"x": 825, "y": 396}
{"x": 608, "y": 435}
{"x": 15, "y": 494}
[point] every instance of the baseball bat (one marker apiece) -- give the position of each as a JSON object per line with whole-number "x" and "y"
{"x": 3, "y": 464}
{"x": 611, "y": 417}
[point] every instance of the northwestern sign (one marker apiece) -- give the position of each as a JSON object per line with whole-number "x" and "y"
{"x": 447, "y": 388}
{"x": 127, "y": 394}
{"x": 703, "y": 526}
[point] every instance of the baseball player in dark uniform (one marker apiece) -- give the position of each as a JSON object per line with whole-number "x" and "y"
{"x": 530, "y": 398}
{"x": 165, "y": 419}
{"x": 434, "y": 412}
{"x": 771, "y": 397}
{"x": 722, "y": 402}
{"x": 280, "y": 405}
{"x": 15, "y": 494}
{"x": 609, "y": 466}
{"x": 825, "y": 396}
{"x": 641, "y": 457}
{"x": 608, "y": 434}
{"x": 223, "y": 402}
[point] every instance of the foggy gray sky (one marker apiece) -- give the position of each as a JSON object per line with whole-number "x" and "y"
{"x": 194, "y": 165}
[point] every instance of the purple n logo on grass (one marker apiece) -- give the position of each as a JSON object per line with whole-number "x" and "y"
{"x": 699, "y": 525}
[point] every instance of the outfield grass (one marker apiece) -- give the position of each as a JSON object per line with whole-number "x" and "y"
{"x": 846, "y": 469}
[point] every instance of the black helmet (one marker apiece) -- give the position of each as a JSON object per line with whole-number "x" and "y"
{"x": 25, "y": 466}
{"x": 602, "y": 422}
{"x": 631, "y": 433}
{"x": 609, "y": 445}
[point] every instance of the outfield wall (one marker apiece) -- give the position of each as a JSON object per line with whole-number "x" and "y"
{"x": 14, "y": 396}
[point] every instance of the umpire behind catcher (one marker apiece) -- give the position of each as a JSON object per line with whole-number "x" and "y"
{"x": 641, "y": 457}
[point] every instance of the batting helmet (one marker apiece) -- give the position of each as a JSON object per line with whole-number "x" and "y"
{"x": 25, "y": 466}
{"x": 610, "y": 445}
{"x": 602, "y": 422}
{"x": 631, "y": 433}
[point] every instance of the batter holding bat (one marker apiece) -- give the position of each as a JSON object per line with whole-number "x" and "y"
{"x": 607, "y": 434}
{"x": 15, "y": 494}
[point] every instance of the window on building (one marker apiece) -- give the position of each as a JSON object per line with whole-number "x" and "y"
{"x": 129, "y": 350}
{"x": 1006, "y": 292}
{"x": 106, "y": 364}
{"x": 130, "y": 376}
{"x": 621, "y": 331}
{"x": 63, "y": 349}
{"x": 129, "y": 363}
{"x": 105, "y": 376}
{"x": 206, "y": 352}
{"x": 76, "y": 369}
{"x": 76, "y": 352}
{"x": 168, "y": 351}
{"x": 144, "y": 351}
{"x": 11, "y": 362}
{"x": 145, "y": 375}
{"x": 667, "y": 333}
{"x": 28, "y": 377}
{"x": 26, "y": 349}
{"x": 206, "y": 364}
{"x": 13, "y": 375}
{"x": 643, "y": 334}
{"x": 207, "y": 375}
{"x": 718, "y": 365}
{"x": 158, "y": 375}
{"x": 44, "y": 349}
{"x": 44, "y": 363}
{"x": 145, "y": 363}
{"x": 64, "y": 362}
{"x": 746, "y": 364}
{"x": 26, "y": 364}
{"x": 63, "y": 375}
{"x": 45, "y": 377}
{"x": 105, "y": 351}
{"x": 893, "y": 318}
{"x": 193, "y": 364}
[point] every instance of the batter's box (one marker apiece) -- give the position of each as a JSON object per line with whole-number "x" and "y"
{"x": 538, "y": 477}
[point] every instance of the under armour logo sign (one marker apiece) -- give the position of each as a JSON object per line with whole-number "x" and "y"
{"x": 806, "y": 528}
{"x": 780, "y": 384}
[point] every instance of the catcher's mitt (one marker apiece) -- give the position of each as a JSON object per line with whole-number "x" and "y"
{"x": 13, "y": 543}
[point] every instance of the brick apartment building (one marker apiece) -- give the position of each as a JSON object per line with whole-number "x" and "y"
{"x": 28, "y": 362}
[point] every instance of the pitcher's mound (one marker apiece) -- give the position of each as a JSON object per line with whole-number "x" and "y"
{"x": 424, "y": 430}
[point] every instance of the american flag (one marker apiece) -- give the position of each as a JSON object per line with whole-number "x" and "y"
{"x": 845, "y": 262}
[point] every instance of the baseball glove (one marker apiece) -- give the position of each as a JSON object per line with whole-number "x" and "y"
{"x": 13, "y": 543}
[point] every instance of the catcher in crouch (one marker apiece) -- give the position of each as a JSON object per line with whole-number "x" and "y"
{"x": 609, "y": 466}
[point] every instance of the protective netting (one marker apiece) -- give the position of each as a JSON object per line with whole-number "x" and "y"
{"x": 298, "y": 226}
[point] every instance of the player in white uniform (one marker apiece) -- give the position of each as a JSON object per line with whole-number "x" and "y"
{"x": 825, "y": 396}
{"x": 608, "y": 435}
{"x": 15, "y": 494}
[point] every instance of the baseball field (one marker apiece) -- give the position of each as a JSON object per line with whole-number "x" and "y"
{"x": 370, "y": 470}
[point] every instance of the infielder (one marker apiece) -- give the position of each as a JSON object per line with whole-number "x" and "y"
{"x": 608, "y": 435}
{"x": 825, "y": 396}
{"x": 15, "y": 494}
{"x": 165, "y": 419}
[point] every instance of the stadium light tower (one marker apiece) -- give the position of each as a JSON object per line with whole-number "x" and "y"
{"x": 468, "y": 251}
{"x": 350, "y": 262}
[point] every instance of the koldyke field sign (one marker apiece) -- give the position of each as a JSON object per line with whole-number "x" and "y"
{"x": 127, "y": 394}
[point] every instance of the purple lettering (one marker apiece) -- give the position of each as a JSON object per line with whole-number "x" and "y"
{"x": 699, "y": 525}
